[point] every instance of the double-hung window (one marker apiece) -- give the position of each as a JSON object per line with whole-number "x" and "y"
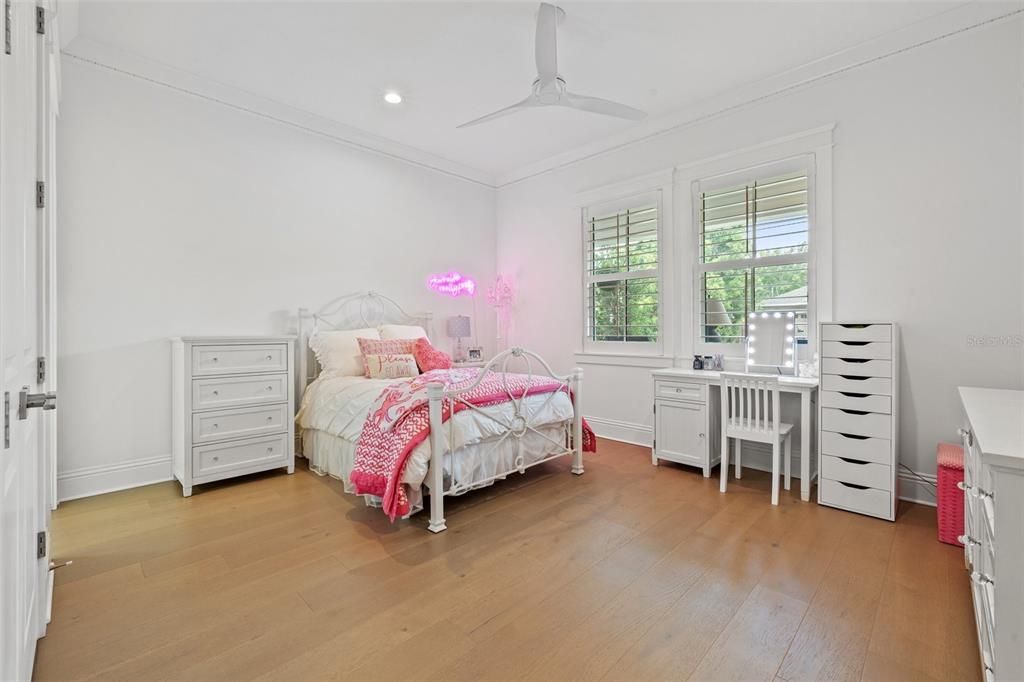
{"x": 753, "y": 253}
{"x": 622, "y": 274}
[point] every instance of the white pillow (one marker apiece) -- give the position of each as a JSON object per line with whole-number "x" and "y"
{"x": 402, "y": 331}
{"x": 338, "y": 351}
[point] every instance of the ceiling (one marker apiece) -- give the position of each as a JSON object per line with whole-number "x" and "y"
{"x": 455, "y": 61}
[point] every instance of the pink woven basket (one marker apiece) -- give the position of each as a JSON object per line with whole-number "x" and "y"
{"x": 950, "y": 460}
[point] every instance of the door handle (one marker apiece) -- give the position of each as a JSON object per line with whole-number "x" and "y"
{"x": 26, "y": 400}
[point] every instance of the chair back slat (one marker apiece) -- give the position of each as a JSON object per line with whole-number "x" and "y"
{"x": 750, "y": 403}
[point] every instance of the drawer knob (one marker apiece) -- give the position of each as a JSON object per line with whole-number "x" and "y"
{"x": 270, "y": 419}
{"x": 270, "y": 449}
{"x": 981, "y": 578}
{"x": 216, "y": 392}
{"x": 270, "y": 388}
{"x": 216, "y": 426}
{"x": 215, "y": 358}
{"x": 963, "y": 486}
{"x": 679, "y": 390}
{"x": 982, "y": 493}
{"x": 216, "y": 459}
{"x": 270, "y": 357}
{"x": 968, "y": 541}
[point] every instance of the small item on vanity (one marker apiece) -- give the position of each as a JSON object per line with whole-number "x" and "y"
{"x": 709, "y": 362}
{"x": 698, "y": 362}
{"x": 719, "y": 362}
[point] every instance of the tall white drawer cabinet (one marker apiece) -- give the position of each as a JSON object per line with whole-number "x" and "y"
{"x": 993, "y": 439}
{"x": 232, "y": 406}
{"x": 858, "y": 420}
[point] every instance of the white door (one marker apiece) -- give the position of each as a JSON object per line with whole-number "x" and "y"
{"x": 24, "y": 505}
{"x": 679, "y": 432}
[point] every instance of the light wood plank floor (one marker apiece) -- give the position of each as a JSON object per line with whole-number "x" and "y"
{"x": 629, "y": 572}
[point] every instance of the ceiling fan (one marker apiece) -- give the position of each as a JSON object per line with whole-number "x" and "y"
{"x": 549, "y": 87}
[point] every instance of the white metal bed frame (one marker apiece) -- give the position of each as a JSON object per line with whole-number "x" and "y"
{"x": 370, "y": 309}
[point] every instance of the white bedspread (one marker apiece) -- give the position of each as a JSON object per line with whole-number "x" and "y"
{"x": 338, "y": 405}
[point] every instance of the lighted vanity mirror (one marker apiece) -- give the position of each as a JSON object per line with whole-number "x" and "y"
{"x": 771, "y": 342}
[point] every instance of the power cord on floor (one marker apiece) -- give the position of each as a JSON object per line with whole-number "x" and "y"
{"x": 932, "y": 487}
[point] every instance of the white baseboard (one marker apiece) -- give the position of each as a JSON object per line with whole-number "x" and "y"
{"x": 912, "y": 489}
{"x": 625, "y": 432}
{"x": 107, "y": 478}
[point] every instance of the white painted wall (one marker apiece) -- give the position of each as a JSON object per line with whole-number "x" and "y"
{"x": 182, "y": 216}
{"x": 927, "y": 216}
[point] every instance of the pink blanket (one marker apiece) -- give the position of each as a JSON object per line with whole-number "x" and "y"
{"x": 400, "y": 420}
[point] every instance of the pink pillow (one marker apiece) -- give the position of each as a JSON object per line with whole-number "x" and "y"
{"x": 384, "y": 347}
{"x": 428, "y": 357}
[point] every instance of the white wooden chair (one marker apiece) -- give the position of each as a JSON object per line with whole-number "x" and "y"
{"x": 750, "y": 411}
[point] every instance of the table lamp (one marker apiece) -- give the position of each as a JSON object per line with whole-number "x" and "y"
{"x": 458, "y": 329}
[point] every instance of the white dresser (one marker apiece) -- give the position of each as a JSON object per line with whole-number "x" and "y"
{"x": 859, "y": 417}
{"x": 232, "y": 408}
{"x": 993, "y": 441}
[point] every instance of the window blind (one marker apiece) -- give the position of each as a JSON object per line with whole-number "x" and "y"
{"x": 621, "y": 266}
{"x": 753, "y": 255}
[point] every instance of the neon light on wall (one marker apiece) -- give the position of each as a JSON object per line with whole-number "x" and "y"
{"x": 452, "y": 283}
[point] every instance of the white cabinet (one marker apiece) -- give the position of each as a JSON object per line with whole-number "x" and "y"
{"x": 993, "y": 442}
{"x": 232, "y": 407}
{"x": 858, "y": 421}
{"x": 682, "y": 423}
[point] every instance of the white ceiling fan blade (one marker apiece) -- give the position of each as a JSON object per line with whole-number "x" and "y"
{"x": 524, "y": 104}
{"x": 546, "y": 42}
{"x": 601, "y": 106}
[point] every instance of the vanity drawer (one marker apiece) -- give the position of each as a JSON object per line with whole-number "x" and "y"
{"x": 238, "y": 391}
{"x": 857, "y": 401}
{"x": 850, "y": 383}
{"x": 869, "y": 424}
{"x": 239, "y": 359}
{"x": 856, "y": 447}
{"x": 239, "y": 423}
{"x": 860, "y": 368}
{"x": 870, "y": 474}
{"x": 856, "y": 332}
{"x": 679, "y": 390}
{"x": 856, "y": 498}
{"x": 215, "y": 459}
{"x": 870, "y": 350}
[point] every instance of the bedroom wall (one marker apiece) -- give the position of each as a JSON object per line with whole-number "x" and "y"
{"x": 182, "y": 216}
{"x": 927, "y": 216}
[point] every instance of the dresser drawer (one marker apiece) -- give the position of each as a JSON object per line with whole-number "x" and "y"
{"x": 239, "y": 359}
{"x": 870, "y": 474}
{"x": 850, "y": 383}
{"x": 857, "y": 401}
{"x": 856, "y": 332}
{"x": 239, "y": 423}
{"x": 215, "y": 459}
{"x": 856, "y": 498}
{"x": 679, "y": 390}
{"x": 857, "y": 447}
{"x": 869, "y": 350}
{"x": 238, "y": 391}
{"x": 869, "y": 424}
{"x": 857, "y": 368}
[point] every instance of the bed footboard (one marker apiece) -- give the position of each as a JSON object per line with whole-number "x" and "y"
{"x": 515, "y": 428}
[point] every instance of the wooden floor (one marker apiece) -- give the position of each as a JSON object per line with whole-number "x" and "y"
{"x": 629, "y": 572}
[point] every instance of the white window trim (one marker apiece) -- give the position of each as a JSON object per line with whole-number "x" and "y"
{"x": 656, "y": 187}
{"x": 812, "y": 148}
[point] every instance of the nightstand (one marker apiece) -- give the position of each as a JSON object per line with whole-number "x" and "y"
{"x": 232, "y": 406}
{"x": 468, "y": 363}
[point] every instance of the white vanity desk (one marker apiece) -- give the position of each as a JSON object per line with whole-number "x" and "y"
{"x": 687, "y": 426}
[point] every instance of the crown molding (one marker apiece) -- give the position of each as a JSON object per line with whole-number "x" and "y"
{"x": 948, "y": 24}
{"x": 87, "y": 51}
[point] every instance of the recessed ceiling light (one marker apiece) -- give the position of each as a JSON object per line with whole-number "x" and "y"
{"x": 392, "y": 97}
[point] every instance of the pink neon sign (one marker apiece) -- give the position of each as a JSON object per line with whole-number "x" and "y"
{"x": 453, "y": 284}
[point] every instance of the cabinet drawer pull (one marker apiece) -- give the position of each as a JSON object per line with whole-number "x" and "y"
{"x": 853, "y": 485}
{"x": 854, "y": 395}
{"x": 856, "y": 412}
{"x": 854, "y": 360}
{"x": 853, "y": 436}
{"x": 853, "y": 378}
{"x": 270, "y": 357}
{"x": 850, "y": 460}
{"x": 963, "y": 486}
{"x": 981, "y": 578}
{"x": 216, "y": 392}
{"x": 270, "y": 388}
{"x": 215, "y": 358}
{"x": 854, "y": 326}
{"x": 968, "y": 541}
{"x": 854, "y": 343}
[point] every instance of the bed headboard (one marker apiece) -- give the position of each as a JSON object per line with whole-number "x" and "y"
{"x": 352, "y": 311}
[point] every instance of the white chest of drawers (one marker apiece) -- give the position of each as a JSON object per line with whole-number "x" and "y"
{"x": 859, "y": 418}
{"x": 993, "y": 441}
{"x": 232, "y": 406}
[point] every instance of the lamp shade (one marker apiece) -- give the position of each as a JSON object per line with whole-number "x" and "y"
{"x": 715, "y": 313}
{"x": 458, "y": 327}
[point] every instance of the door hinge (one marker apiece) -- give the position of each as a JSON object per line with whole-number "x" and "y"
{"x": 40, "y": 21}
{"x": 41, "y": 544}
{"x": 7, "y": 26}
{"x": 40, "y": 194}
{"x": 40, "y": 369}
{"x": 7, "y": 419}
